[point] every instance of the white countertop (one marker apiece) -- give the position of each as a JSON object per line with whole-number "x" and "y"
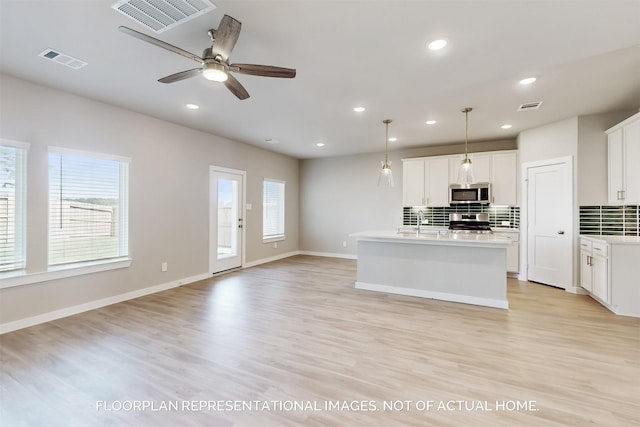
{"x": 434, "y": 237}
{"x": 614, "y": 240}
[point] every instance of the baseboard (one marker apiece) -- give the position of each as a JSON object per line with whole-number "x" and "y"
{"x": 92, "y": 305}
{"x": 576, "y": 290}
{"x": 329, "y": 254}
{"x": 442, "y": 296}
{"x": 270, "y": 259}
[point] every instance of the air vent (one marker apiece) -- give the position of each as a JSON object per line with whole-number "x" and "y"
{"x": 61, "y": 58}
{"x": 530, "y": 106}
{"x": 161, "y": 15}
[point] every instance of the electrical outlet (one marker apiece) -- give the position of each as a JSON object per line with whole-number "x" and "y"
{"x": 164, "y": 266}
{"x": 275, "y": 245}
{"x": 344, "y": 243}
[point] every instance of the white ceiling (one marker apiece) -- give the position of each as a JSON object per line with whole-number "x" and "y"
{"x": 585, "y": 54}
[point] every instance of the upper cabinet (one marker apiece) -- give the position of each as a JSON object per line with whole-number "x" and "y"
{"x": 504, "y": 178}
{"x": 426, "y": 179}
{"x": 624, "y": 156}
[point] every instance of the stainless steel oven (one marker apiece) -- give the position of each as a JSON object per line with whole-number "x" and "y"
{"x": 474, "y": 193}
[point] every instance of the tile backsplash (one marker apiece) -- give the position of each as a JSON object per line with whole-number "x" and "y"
{"x": 439, "y": 216}
{"x": 610, "y": 220}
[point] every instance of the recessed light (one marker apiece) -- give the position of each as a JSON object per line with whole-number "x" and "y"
{"x": 506, "y": 126}
{"x": 320, "y": 144}
{"x": 393, "y": 139}
{"x": 192, "y": 106}
{"x": 527, "y": 81}
{"x": 437, "y": 44}
{"x": 431, "y": 122}
{"x": 359, "y": 109}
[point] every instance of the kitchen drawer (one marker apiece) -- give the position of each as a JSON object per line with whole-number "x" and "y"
{"x": 586, "y": 245}
{"x": 601, "y": 248}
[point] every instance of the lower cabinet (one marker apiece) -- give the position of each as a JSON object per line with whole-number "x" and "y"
{"x": 594, "y": 269}
{"x": 609, "y": 271}
{"x": 513, "y": 250}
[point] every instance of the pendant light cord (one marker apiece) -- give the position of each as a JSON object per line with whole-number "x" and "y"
{"x": 386, "y": 142}
{"x": 466, "y": 128}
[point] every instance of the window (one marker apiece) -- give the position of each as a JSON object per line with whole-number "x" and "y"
{"x": 88, "y": 207}
{"x": 272, "y": 210}
{"x": 13, "y": 165}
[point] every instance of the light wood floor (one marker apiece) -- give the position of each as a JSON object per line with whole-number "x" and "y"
{"x": 297, "y": 332}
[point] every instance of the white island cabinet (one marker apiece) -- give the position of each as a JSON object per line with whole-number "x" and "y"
{"x": 463, "y": 268}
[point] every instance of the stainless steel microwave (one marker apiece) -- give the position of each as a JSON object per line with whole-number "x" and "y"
{"x": 479, "y": 192}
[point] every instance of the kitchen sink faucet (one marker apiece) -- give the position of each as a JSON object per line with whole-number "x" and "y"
{"x": 420, "y": 220}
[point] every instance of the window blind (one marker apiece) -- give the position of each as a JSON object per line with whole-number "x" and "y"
{"x": 272, "y": 209}
{"x": 13, "y": 161}
{"x": 88, "y": 207}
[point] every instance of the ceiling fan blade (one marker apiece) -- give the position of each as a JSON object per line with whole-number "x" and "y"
{"x": 160, "y": 43}
{"x": 226, "y": 37}
{"x": 181, "y": 75}
{"x": 236, "y": 88}
{"x": 263, "y": 70}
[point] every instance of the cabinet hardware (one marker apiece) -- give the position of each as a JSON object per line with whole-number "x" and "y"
{"x": 560, "y": 231}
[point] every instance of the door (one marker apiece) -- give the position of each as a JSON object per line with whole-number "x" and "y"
{"x": 550, "y": 223}
{"x": 226, "y": 219}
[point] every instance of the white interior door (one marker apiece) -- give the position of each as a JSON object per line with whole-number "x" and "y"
{"x": 226, "y": 219}
{"x": 550, "y": 223}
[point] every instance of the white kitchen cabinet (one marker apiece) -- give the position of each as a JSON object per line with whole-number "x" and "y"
{"x": 513, "y": 250}
{"x": 586, "y": 271}
{"x": 413, "y": 189}
{"x": 499, "y": 168}
{"x": 425, "y": 181}
{"x": 437, "y": 185}
{"x": 594, "y": 267}
{"x": 504, "y": 179}
{"x": 609, "y": 271}
{"x": 482, "y": 169}
{"x": 623, "y": 158}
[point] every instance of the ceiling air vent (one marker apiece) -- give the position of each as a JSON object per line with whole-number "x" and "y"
{"x": 61, "y": 58}
{"x": 530, "y": 106}
{"x": 161, "y": 15}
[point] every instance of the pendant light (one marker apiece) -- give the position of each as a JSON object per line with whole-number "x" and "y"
{"x": 465, "y": 174}
{"x": 386, "y": 177}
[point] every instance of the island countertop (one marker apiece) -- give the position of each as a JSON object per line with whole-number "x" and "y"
{"x": 434, "y": 237}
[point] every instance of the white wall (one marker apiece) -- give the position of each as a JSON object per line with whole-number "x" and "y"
{"x": 339, "y": 195}
{"x": 169, "y": 200}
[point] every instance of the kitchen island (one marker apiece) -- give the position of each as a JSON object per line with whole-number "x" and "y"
{"x": 465, "y": 268}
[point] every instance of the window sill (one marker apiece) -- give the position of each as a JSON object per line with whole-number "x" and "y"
{"x": 273, "y": 239}
{"x": 18, "y": 278}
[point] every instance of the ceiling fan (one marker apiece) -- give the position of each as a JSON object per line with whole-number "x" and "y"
{"x": 214, "y": 63}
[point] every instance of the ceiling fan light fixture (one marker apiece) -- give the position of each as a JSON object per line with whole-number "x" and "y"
{"x": 214, "y": 72}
